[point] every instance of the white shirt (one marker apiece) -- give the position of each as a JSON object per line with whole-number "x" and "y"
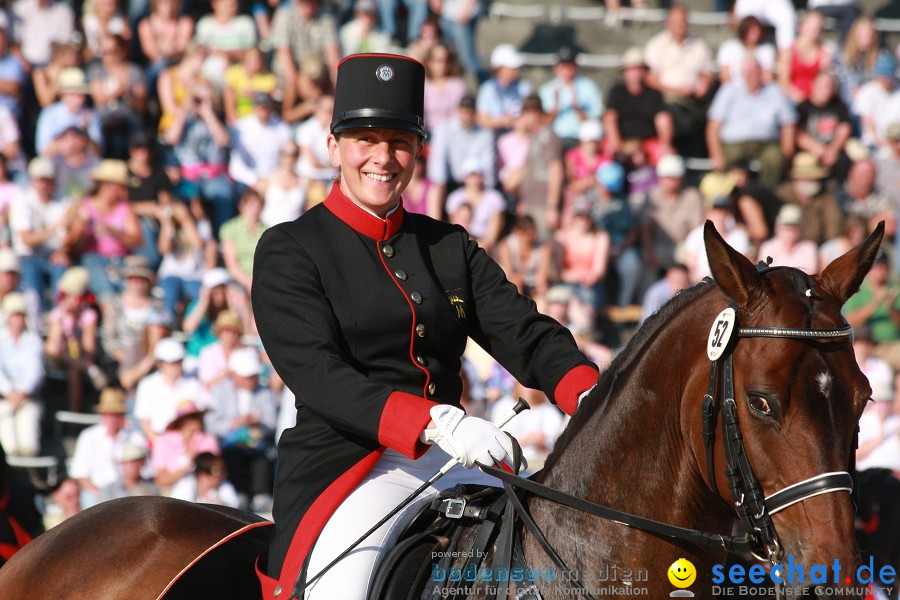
{"x": 877, "y": 103}
{"x": 314, "y": 135}
{"x": 21, "y": 362}
{"x": 778, "y": 13}
{"x": 737, "y": 238}
{"x": 732, "y": 53}
{"x": 38, "y": 27}
{"x": 28, "y": 213}
{"x": 157, "y": 401}
{"x": 95, "y": 456}
{"x": 224, "y": 495}
{"x": 254, "y": 154}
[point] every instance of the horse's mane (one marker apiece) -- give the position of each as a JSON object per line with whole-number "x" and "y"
{"x": 624, "y": 360}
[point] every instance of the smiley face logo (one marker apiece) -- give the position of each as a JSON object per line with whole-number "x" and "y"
{"x": 682, "y": 573}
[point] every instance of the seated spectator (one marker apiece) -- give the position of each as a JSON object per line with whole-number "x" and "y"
{"x": 46, "y": 78}
{"x": 852, "y": 234}
{"x": 64, "y": 502}
{"x": 164, "y": 36}
{"x": 139, "y": 359}
{"x": 12, "y": 76}
{"x": 158, "y": 395}
{"x": 175, "y": 85}
{"x": 119, "y": 93}
{"x": 570, "y": 99}
{"x": 132, "y": 460}
{"x": 216, "y": 295}
{"x": 96, "y": 462}
{"x": 301, "y": 98}
{"x": 500, "y": 98}
{"x": 243, "y": 81}
{"x": 444, "y": 86}
{"x": 126, "y": 315}
{"x": 283, "y": 191}
{"x": 788, "y": 247}
{"x": 224, "y": 34}
{"x": 70, "y": 110}
{"x": 807, "y": 189}
{"x": 875, "y": 103}
{"x": 887, "y": 180}
{"x": 207, "y": 483}
{"x": 681, "y": 68}
{"x": 149, "y": 192}
{"x": 39, "y": 227}
{"x": 101, "y": 18}
{"x": 757, "y": 205}
{"x": 824, "y": 125}
{"x": 611, "y": 213}
{"x": 859, "y": 196}
{"x": 256, "y": 141}
{"x": 21, "y": 375}
{"x": 40, "y": 24}
{"x": 749, "y": 42}
{"x": 239, "y": 238}
{"x": 844, "y": 12}
{"x": 200, "y": 144}
{"x": 181, "y": 246}
{"x": 314, "y": 163}
{"x": 302, "y": 33}
{"x": 418, "y": 192}
{"x": 808, "y": 56}
{"x": 422, "y": 39}
{"x": 212, "y": 366}
{"x": 72, "y": 335}
{"x": 779, "y": 14}
{"x": 585, "y": 259}
{"x": 173, "y": 452}
{"x": 107, "y": 227}
{"x": 719, "y": 213}
{"x": 875, "y": 306}
{"x": 636, "y": 119}
{"x": 675, "y": 279}
{"x": 752, "y": 120}
{"x": 9, "y": 193}
{"x": 855, "y": 63}
{"x": 458, "y": 21}
{"x": 535, "y": 429}
{"x": 582, "y": 163}
{"x": 454, "y": 143}
{"x": 361, "y": 34}
{"x": 671, "y": 212}
{"x": 243, "y": 417}
{"x": 488, "y": 206}
{"x": 11, "y": 283}
{"x": 417, "y": 15}
{"x": 74, "y": 158}
{"x": 526, "y": 259}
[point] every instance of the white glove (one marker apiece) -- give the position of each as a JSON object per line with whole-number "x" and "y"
{"x": 468, "y": 439}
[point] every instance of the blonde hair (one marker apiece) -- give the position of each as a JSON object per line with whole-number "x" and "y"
{"x": 852, "y": 52}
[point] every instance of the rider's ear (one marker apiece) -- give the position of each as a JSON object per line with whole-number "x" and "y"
{"x": 843, "y": 276}
{"x": 734, "y": 273}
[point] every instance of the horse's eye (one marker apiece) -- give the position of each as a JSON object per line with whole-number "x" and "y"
{"x": 760, "y": 405}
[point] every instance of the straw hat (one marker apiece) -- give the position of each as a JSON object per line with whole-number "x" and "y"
{"x": 74, "y": 282}
{"x": 184, "y": 410}
{"x": 112, "y": 402}
{"x": 130, "y": 451}
{"x": 716, "y": 184}
{"x": 228, "y": 319}
{"x": 633, "y": 57}
{"x": 806, "y": 166}
{"x": 111, "y": 171}
{"x": 72, "y": 81}
{"x": 137, "y": 266}
{"x": 41, "y": 167}
{"x": 14, "y": 303}
{"x": 790, "y": 214}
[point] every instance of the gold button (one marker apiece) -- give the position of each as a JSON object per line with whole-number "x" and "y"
{"x": 416, "y": 297}
{"x": 420, "y": 329}
{"x": 420, "y": 360}
{"x": 388, "y": 250}
{"x": 431, "y": 388}
{"x": 401, "y": 274}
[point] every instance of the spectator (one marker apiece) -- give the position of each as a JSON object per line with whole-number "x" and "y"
{"x": 71, "y": 341}
{"x": 126, "y": 315}
{"x": 487, "y": 206}
{"x": 855, "y": 64}
{"x": 444, "y": 86}
{"x": 300, "y": 34}
{"x": 585, "y": 259}
{"x": 788, "y": 248}
{"x": 12, "y": 76}
{"x": 132, "y": 459}
{"x": 458, "y": 20}
{"x": 752, "y": 120}
{"x": 64, "y": 503}
{"x": 361, "y": 34}
{"x": 200, "y": 145}
{"x": 824, "y": 125}
{"x": 612, "y": 213}
{"x": 681, "y": 68}
{"x": 455, "y": 142}
{"x": 538, "y": 182}
{"x": 663, "y": 290}
{"x": 158, "y": 395}
{"x": 216, "y": 295}
{"x": 314, "y": 163}
{"x": 39, "y": 227}
{"x": 301, "y": 98}
{"x": 845, "y": 12}
{"x": 100, "y": 19}
{"x": 107, "y": 227}
{"x": 11, "y": 283}
{"x": 779, "y": 14}
{"x": 243, "y": 82}
{"x": 500, "y": 98}
{"x": 256, "y": 142}
{"x": 46, "y": 79}
{"x": 119, "y": 93}
{"x": 174, "y": 451}
{"x": 240, "y": 236}
{"x": 149, "y": 192}
{"x": 570, "y": 99}
{"x": 283, "y": 191}
{"x": 175, "y": 85}
{"x": 417, "y": 193}
{"x": 208, "y": 483}
{"x": 40, "y": 24}
{"x": 96, "y": 459}
{"x": 212, "y": 366}
{"x": 417, "y": 13}
{"x": 636, "y": 119}
{"x": 807, "y": 57}
{"x": 719, "y": 212}
{"x": 875, "y": 306}
{"x": 224, "y": 34}
{"x": 537, "y": 428}
{"x": 888, "y": 172}
{"x": 749, "y": 42}
{"x": 526, "y": 258}
{"x": 582, "y": 163}
{"x": 10, "y": 192}
{"x": 875, "y": 103}
{"x": 74, "y": 158}
{"x": 424, "y": 38}
{"x": 807, "y": 189}
{"x": 858, "y": 196}
{"x": 21, "y": 375}
{"x": 669, "y": 215}
{"x": 69, "y": 111}
{"x": 139, "y": 358}
{"x": 164, "y": 36}
{"x": 243, "y": 417}
{"x": 853, "y": 233}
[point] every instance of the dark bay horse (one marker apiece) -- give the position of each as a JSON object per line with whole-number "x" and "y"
{"x": 635, "y": 445}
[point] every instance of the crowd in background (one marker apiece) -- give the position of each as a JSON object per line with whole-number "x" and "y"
{"x": 145, "y": 148}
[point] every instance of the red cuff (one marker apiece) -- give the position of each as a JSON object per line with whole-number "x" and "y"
{"x": 402, "y": 420}
{"x": 573, "y": 383}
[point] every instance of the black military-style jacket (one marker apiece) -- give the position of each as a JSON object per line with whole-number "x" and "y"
{"x": 366, "y": 320}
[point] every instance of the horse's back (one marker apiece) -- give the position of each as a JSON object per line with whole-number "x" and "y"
{"x": 128, "y": 548}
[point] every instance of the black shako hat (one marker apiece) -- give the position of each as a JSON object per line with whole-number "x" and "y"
{"x": 379, "y": 90}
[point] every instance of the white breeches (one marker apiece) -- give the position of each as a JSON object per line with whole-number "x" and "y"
{"x": 392, "y": 479}
{"x": 20, "y": 431}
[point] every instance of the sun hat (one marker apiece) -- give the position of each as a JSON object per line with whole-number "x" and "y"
{"x": 41, "y": 167}
{"x": 245, "y": 362}
{"x": 168, "y": 350}
{"x": 806, "y": 166}
{"x": 9, "y": 262}
{"x": 633, "y": 57}
{"x": 670, "y": 165}
{"x": 137, "y": 266}
{"x": 111, "y": 170}
{"x": 715, "y": 184}
{"x": 14, "y": 304}
{"x": 185, "y": 409}
{"x": 228, "y": 319}
{"x": 112, "y": 402}
{"x": 72, "y": 81}
{"x": 590, "y": 130}
{"x": 74, "y": 282}
{"x": 790, "y": 214}
{"x": 506, "y": 55}
{"x": 215, "y": 277}
{"x": 131, "y": 451}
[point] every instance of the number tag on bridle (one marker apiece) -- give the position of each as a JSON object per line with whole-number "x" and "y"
{"x": 720, "y": 334}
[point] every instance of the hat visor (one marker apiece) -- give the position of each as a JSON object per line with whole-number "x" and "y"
{"x": 809, "y": 173}
{"x": 378, "y": 123}
{"x": 75, "y": 89}
{"x": 142, "y": 273}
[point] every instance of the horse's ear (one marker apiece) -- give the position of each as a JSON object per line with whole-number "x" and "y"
{"x": 734, "y": 273}
{"x": 843, "y": 276}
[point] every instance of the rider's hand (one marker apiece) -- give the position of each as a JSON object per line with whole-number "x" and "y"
{"x": 468, "y": 439}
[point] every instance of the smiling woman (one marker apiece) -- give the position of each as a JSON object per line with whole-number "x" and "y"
{"x": 365, "y": 310}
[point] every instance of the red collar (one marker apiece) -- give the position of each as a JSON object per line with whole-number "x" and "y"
{"x": 361, "y": 220}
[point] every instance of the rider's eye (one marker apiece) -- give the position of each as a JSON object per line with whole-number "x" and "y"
{"x": 760, "y": 405}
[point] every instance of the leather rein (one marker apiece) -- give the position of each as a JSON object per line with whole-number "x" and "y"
{"x": 753, "y": 508}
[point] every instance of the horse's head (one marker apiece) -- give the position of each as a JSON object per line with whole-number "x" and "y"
{"x": 797, "y": 399}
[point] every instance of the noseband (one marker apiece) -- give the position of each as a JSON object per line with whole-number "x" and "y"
{"x": 755, "y": 510}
